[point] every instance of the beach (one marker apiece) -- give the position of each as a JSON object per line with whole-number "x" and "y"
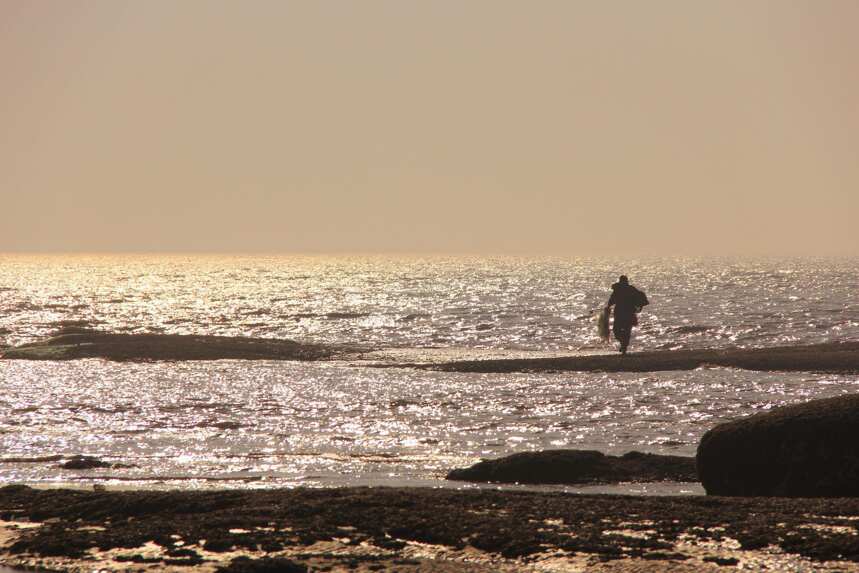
{"x": 429, "y": 287}
{"x": 297, "y": 412}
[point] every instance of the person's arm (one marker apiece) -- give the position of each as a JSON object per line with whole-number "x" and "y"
{"x": 611, "y": 299}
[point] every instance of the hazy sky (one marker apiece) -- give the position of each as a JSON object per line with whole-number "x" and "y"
{"x": 575, "y": 127}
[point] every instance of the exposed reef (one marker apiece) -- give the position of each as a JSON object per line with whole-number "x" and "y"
{"x": 832, "y": 357}
{"x": 412, "y": 530}
{"x": 578, "y": 467}
{"x": 75, "y": 343}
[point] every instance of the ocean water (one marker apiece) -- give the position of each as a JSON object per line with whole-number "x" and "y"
{"x": 228, "y": 423}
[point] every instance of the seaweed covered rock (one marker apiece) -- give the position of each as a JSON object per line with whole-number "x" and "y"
{"x": 803, "y": 450}
{"x": 577, "y": 467}
{"x": 84, "y": 463}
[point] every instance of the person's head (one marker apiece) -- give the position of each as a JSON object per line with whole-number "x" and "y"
{"x": 623, "y": 280}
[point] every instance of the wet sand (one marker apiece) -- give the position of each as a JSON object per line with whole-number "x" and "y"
{"x": 407, "y": 530}
{"x": 833, "y": 357}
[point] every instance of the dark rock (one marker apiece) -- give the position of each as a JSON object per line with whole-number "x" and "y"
{"x": 84, "y": 463}
{"x": 74, "y": 343}
{"x": 804, "y": 450}
{"x": 123, "y": 466}
{"x": 137, "y": 558}
{"x": 723, "y": 561}
{"x": 183, "y": 556}
{"x": 665, "y": 556}
{"x": 262, "y": 565}
{"x": 578, "y": 466}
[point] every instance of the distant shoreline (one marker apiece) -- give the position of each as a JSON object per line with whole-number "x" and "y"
{"x": 77, "y": 343}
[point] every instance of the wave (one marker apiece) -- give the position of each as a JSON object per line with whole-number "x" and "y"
{"x": 63, "y": 306}
{"x": 159, "y": 478}
{"x": 414, "y": 316}
{"x": 74, "y": 323}
{"x": 224, "y": 425}
{"x": 692, "y": 329}
{"x": 256, "y": 312}
{"x": 24, "y": 306}
{"x": 345, "y": 315}
{"x": 31, "y": 460}
{"x": 329, "y": 315}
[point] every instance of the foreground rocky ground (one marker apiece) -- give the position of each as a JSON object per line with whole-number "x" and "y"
{"x": 360, "y": 529}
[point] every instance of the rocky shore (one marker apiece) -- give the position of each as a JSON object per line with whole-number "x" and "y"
{"x": 407, "y": 530}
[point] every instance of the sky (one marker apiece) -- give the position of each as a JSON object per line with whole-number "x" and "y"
{"x": 667, "y": 127}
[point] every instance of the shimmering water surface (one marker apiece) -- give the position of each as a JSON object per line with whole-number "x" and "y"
{"x": 263, "y": 424}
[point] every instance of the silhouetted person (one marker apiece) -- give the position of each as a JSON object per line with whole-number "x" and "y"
{"x": 627, "y": 301}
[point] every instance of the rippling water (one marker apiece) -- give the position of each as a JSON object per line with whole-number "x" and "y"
{"x": 229, "y": 423}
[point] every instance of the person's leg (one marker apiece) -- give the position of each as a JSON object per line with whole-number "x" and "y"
{"x": 621, "y": 333}
{"x": 624, "y": 339}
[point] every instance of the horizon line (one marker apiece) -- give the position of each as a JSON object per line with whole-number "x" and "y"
{"x": 428, "y": 254}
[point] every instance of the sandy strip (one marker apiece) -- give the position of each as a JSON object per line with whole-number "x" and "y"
{"x": 832, "y": 357}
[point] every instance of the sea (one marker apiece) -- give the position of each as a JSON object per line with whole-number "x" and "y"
{"x": 261, "y": 424}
